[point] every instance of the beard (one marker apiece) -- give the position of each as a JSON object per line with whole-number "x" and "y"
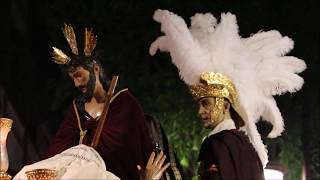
{"x": 87, "y": 96}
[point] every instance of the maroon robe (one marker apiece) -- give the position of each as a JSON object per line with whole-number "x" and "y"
{"x": 124, "y": 141}
{"x": 232, "y": 154}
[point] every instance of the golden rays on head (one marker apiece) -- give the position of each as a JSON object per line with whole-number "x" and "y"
{"x": 90, "y": 42}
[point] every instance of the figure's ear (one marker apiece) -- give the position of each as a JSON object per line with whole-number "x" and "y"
{"x": 226, "y": 106}
{"x": 96, "y": 69}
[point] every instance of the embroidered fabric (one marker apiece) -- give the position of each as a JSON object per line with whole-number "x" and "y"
{"x": 71, "y": 163}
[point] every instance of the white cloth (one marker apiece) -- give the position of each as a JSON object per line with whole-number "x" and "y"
{"x": 226, "y": 124}
{"x": 78, "y": 162}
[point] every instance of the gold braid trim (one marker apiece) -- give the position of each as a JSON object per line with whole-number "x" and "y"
{"x": 117, "y": 94}
{"x": 82, "y": 132}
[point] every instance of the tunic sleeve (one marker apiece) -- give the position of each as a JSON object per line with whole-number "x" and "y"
{"x": 66, "y": 136}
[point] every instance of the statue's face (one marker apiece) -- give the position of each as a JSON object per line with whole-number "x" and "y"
{"x": 80, "y": 77}
{"x": 84, "y": 81}
{"x": 211, "y": 111}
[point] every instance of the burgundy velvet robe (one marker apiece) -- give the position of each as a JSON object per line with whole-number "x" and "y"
{"x": 124, "y": 142}
{"x": 232, "y": 154}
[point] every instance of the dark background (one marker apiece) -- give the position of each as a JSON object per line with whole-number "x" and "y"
{"x": 36, "y": 95}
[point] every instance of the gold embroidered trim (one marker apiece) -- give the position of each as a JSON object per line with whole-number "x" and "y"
{"x": 5, "y": 123}
{"x": 173, "y": 164}
{"x": 167, "y": 176}
{"x": 174, "y": 168}
{"x": 114, "y": 96}
{"x": 82, "y": 132}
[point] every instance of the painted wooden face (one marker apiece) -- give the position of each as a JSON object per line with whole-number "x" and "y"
{"x": 85, "y": 81}
{"x": 80, "y": 77}
{"x": 211, "y": 111}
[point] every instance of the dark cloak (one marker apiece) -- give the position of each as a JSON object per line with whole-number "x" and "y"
{"x": 233, "y": 155}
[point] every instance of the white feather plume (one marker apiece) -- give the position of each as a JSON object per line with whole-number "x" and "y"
{"x": 184, "y": 49}
{"x": 257, "y": 65}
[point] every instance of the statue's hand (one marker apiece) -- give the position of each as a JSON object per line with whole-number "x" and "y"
{"x": 154, "y": 169}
